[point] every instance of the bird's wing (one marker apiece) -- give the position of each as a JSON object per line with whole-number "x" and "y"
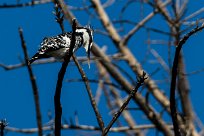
{"x": 51, "y": 44}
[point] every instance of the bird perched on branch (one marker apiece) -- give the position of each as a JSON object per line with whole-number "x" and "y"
{"x": 58, "y": 46}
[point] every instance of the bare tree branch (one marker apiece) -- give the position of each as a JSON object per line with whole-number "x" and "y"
{"x": 59, "y": 17}
{"x": 132, "y": 93}
{"x": 150, "y": 113}
{"x": 173, "y": 80}
{"x": 81, "y": 59}
{"x": 34, "y": 85}
{"x": 118, "y": 101}
{"x": 91, "y": 97}
{"x": 115, "y": 71}
{"x": 160, "y": 60}
{"x": 83, "y": 127}
{"x": 193, "y": 14}
{"x": 57, "y": 103}
{"x": 3, "y": 124}
{"x": 193, "y": 72}
{"x": 141, "y": 23}
{"x": 131, "y": 60}
{"x": 96, "y": 81}
{"x": 31, "y": 3}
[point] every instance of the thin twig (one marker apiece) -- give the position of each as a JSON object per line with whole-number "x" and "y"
{"x": 141, "y": 23}
{"x": 34, "y": 84}
{"x": 91, "y": 97}
{"x": 132, "y": 93}
{"x": 57, "y": 103}
{"x": 83, "y": 127}
{"x": 124, "y": 71}
{"x": 59, "y": 17}
{"x": 111, "y": 94}
{"x": 193, "y": 14}
{"x": 160, "y": 60}
{"x": 30, "y": 3}
{"x": 102, "y": 74}
{"x": 65, "y": 10}
{"x": 156, "y": 30}
{"x": 96, "y": 81}
{"x": 193, "y": 72}
{"x": 81, "y": 59}
{"x": 173, "y": 80}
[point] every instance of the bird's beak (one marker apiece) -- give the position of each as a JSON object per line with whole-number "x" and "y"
{"x": 88, "y": 54}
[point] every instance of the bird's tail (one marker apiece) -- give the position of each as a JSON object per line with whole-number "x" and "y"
{"x": 35, "y": 57}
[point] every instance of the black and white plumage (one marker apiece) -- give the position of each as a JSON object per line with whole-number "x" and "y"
{"x": 58, "y": 46}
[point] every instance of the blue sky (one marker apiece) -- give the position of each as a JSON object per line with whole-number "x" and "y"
{"x": 16, "y": 99}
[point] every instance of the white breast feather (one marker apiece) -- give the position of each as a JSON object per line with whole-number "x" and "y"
{"x": 86, "y": 41}
{"x": 68, "y": 42}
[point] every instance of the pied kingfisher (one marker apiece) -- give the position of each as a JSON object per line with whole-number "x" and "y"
{"x": 58, "y": 46}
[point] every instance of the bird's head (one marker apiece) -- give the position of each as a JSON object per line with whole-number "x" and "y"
{"x": 87, "y": 34}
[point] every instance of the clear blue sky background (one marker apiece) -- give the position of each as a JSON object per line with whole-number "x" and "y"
{"x": 16, "y": 98}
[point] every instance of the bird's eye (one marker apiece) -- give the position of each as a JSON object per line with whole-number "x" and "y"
{"x": 79, "y": 33}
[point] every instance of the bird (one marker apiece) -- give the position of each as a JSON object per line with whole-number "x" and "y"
{"x": 58, "y": 46}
